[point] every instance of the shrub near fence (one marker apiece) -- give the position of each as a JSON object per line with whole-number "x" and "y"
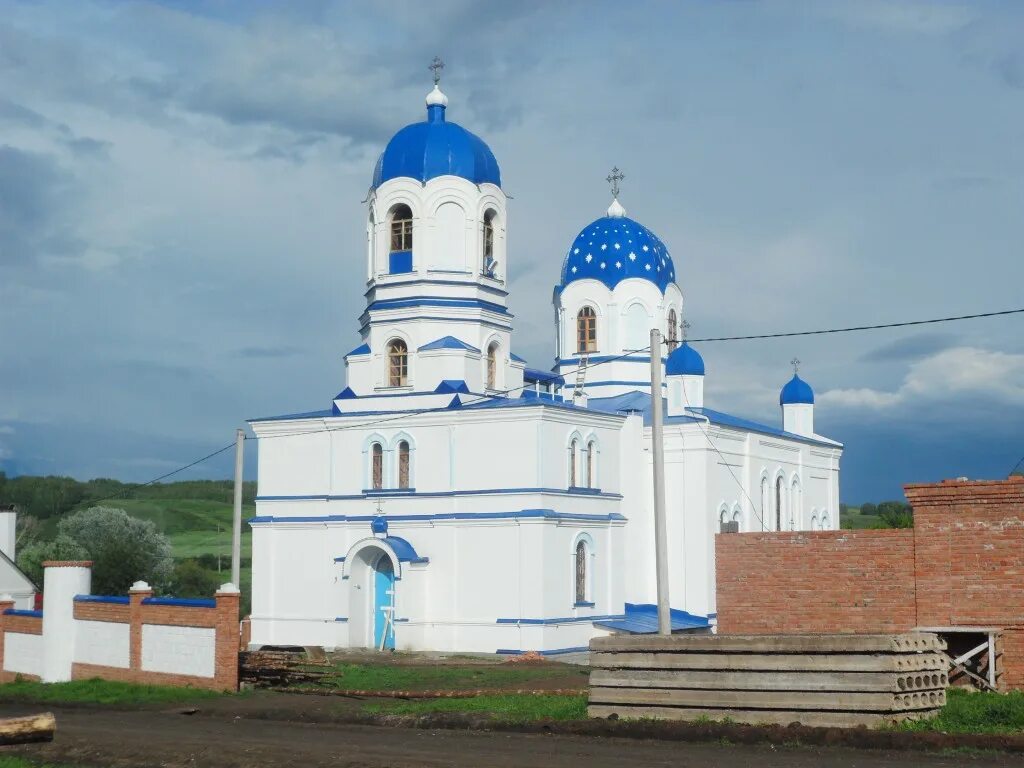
{"x": 134, "y": 638}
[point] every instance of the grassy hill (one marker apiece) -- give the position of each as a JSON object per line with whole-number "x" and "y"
{"x": 853, "y": 519}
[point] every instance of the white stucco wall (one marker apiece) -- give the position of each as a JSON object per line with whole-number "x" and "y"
{"x": 179, "y": 650}
{"x": 23, "y": 653}
{"x": 106, "y": 643}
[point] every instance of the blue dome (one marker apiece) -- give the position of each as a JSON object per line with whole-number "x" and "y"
{"x": 615, "y": 248}
{"x": 379, "y": 524}
{"x": 684, "y": 360}
{"x": 423, "y": 151}
{"x": 796, "y": 391}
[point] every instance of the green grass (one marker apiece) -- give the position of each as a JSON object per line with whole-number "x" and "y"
{"x": 10, "y": 761}
{"x": 515, "y": 708}
{"x": 98, "y": 691}
{"x": 970, "y": 712}
{"x": 383, "y": 677}
{"x": 853, "y": 519}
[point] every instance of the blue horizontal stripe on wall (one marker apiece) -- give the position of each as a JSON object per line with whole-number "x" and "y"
{"x": 552, "y": 652}
{"x": 440, "y": 319}
{"x": 183, "y": 602}
{"x": 646, "y": 383}
{"x": 563, "y": 620}
{"x": 436, "y": 301}
{"x": 433, "y": 494}
{"x": 119, "y": 599}
{"x": 17, "y": 612}
{"x": 607, "y": 359}
{"x": 525, "y": 514}
{"x": 465, "y": 284}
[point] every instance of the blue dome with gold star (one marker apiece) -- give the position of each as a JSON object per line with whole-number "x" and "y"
{"x": 615, "y": 248}
{"x": 435, "y": 147}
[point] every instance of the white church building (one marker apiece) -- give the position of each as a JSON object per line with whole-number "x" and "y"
{"x": 453, "y": 498}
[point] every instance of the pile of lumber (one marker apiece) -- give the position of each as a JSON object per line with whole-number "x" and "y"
{"x": 282, "y": 668}
{"x": 818, "y": 680}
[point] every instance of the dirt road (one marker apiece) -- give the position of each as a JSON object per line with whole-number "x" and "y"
{"x": 144, "y": 739}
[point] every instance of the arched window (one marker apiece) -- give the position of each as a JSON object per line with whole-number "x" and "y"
{"x": 826, "y": 523}
{"x": 586, "y": 331}
{"x": 814, "y": 520}
{"x": 591, "y": 464}
{"x": 673, "y": 330}
{"x": 492, "y": 366}
{"x": 377, "y": 466}
{"x": 403, "y": 464}
{"x": 401, "y": 228}
{"x": 487, "y": 267}
{"x": 581, "y": 572}
{"x": 778, "y": 504}
{"x": 573, "y": 449}
{"x": 764, "y": 503}
{"x": 398, "y": 363}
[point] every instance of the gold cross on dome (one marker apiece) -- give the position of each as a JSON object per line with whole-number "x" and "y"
{"x": 795, "y": 362}
{"x": 614, "y": 178}
{"x": 437, "y": 65}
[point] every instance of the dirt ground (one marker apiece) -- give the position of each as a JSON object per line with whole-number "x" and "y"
{"x": 237, "y": 732}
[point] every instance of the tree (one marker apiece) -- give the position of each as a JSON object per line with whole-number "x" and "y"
{"x": 123, "y": 550}
{"x": 868, "y": 509}
{"x": 191, "y": 579}
{"x": 895, "y": 514}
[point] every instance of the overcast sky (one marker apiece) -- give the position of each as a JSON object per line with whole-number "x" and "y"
{"x": 181, "y": 233}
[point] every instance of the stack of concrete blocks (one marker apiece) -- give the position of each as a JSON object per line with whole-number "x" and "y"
{"x": 815, "y": 680}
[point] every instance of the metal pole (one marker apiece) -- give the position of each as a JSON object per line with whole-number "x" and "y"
{"x": 658, "y": 456}
{"x": 236, "y": 527}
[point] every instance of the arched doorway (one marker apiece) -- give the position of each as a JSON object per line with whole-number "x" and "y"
{"x": 383, "y": 603}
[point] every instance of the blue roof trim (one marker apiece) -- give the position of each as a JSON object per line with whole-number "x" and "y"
{"x": 346, "y": 394}
{"x": 535, "y": 374}
{"x": 291, "y": 416}
{"x": 611, "y": 250}
{"x": 571, "y": 361}
{"x": 435, "y": 494}
{"x": 552, "y": 652}
{"x": 455, "y": 403}
{"x": 436, "y": 147}
{"x": 182, "y": 602}
{"x": 341, "y": 619}
{"x": 448, "y": 386}
{"x": 523, "y": 514}
{"x": 561, "y": 620}
{"x": 448, "y": 342}
{"x": 727, "y": 420}
{"x": 684, "y": 361}
{"x": 642, "y": 619}
{"x": 19, "y": 612}
{"x": 362, "y": 349}
{"x": 796, "y": 391}
{"x": 118, "y": 599}
{"x": 405, "y": 552}
{"x": 516, "y": 358}
{"x": 427, "y": 281}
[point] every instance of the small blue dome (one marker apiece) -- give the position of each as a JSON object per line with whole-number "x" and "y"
{"x": 379, "y": 525}
{"x": 684, "y": 360}
{"x": 796, "y": 391}
{"x": 614, "y": 248}
{"x": 423, "y": 151}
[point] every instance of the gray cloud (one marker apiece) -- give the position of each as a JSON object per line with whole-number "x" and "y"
{"x": 910, "y": 348}
{"x": 269, "y": 352}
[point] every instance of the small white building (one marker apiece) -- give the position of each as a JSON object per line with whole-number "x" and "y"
{"x": 453, "y": 498}
{"x": 14, "y": 584}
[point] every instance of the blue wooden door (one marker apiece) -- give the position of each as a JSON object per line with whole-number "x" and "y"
{"x": 383, "y": 598}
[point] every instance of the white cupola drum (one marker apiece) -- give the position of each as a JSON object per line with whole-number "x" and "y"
{"x": 797, "y": 402}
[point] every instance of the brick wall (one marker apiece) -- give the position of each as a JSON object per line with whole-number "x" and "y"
{"x": 962, "y": 565}
{"x": 815, "y": 582}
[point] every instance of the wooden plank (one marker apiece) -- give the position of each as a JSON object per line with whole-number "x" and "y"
{"x": 776, "y": 700}
{"x": 771, "y": 662}
{"x": 910, "y": 642}
{"x": 878, "y": 682}
{"x": 758, "y": 717}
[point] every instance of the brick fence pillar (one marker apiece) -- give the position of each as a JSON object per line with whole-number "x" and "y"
{"x": 225, "y": 673}
{"x": 140, "y": 591}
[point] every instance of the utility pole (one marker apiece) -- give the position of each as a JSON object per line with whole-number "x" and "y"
{"x": 658, "y": 457}
{"x": 236, "y": 528}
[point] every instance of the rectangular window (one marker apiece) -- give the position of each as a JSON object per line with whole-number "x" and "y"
{"x": 401, "y": 235}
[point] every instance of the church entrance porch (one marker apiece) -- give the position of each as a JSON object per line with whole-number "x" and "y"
{"x": 371, "y": 583}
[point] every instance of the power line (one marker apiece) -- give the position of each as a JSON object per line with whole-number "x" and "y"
{"x": 1016, "y": 466}
{"x": 859, "y": 327}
